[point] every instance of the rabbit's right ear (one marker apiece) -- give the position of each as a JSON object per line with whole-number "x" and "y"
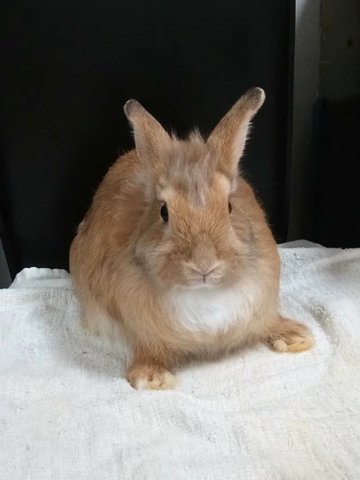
{"x": 151, "y": 139}
{"x": 229, "y": 136}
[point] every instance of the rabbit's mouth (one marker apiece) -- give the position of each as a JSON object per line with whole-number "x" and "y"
{"x": 201, "y": 285}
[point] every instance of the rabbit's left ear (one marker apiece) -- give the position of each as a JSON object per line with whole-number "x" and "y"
{"x": 229, "y": 137}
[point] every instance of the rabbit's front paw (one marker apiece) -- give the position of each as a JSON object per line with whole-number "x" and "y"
{"x": 149, "y": 377}
{"x": 290, "y": 336}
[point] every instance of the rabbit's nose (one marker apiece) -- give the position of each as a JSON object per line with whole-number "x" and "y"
{"x": 206, "y": 271}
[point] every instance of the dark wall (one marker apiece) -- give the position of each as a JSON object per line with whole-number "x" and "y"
{"x": 66, "y": 70}
{"x": 338, "y": 198}
{"x": 338, "y": 172}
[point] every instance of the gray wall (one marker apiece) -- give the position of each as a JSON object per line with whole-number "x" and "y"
{"x": 326, "y": 65}
{"x": 4, "y": 272}
{"x": 302, "y": 186}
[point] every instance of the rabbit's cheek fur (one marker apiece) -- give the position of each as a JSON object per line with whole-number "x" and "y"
{"x": 214, "y": 309}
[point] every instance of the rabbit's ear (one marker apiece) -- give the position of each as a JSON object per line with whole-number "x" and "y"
{"x": 150, "y": 137}
{"x": 229, "y": 136}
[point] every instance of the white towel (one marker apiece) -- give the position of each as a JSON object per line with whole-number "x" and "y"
{"x": 66, "y": 411}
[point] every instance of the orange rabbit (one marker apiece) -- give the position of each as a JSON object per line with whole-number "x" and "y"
{"x": 176, "y": 252}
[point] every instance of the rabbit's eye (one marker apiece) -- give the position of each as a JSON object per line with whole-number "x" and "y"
{"x": 230, "y": 207}
{"x": 164, "y": 213}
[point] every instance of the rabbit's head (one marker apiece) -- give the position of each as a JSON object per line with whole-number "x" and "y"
{"x": 192, "y": 233}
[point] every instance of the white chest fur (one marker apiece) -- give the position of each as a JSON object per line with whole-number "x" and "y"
{"x": 211, "y": 310}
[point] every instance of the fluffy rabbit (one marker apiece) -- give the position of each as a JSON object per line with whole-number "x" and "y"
{"x": 176, "y": 251}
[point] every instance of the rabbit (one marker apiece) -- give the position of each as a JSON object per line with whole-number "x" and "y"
{"x": 175, "y": 251}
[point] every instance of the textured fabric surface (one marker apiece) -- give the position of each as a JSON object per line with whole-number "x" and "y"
{"x": 66, "y": 411}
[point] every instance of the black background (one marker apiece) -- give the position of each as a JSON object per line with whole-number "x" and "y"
{"x": 337, "y": 217}
{"x": 67, "y": 69}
